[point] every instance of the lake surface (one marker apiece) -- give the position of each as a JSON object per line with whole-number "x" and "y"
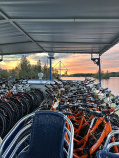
{"x": 112, "y": 83}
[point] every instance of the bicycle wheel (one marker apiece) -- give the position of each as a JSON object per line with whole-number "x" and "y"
{"x": 18, "y": 104}
{"x": 2, "y": 123}
{"x": 16, "y": 110}
{"x": 28, "y": 99}
{"x": 34, "y": 98}
{"x": 39, "y": 95}
{"x": 8, "y": 115}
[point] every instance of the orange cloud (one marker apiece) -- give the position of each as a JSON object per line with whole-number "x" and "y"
{"x": 9, "y": 65}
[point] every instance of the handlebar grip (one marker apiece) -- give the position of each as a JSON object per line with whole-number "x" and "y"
{"x": 67, "y": 113}
{"x": 103, "y": 90}
{"x": 92, "y": 81}
{"x": 64, "y": 107}
{"x": 48, "y": 91}
{"x": 57, "y": 84}
{"x": 59, "y": 79}
{"x": 46, "y": 86}
{"x": 83, "y": 109}
{"x": 53, "y": 86}
{"x": 97, "y": 113}
{"x": 106, "y": 89}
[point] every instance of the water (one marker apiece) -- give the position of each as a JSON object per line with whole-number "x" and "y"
{"x": 112, "y": 83}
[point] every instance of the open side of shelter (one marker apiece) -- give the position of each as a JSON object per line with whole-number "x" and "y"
{"x": 35, "y": 26}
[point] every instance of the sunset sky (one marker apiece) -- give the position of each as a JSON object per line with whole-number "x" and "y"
{"x": 76, "y": 63}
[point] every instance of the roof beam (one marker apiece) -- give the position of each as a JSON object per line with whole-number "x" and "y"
{"x": 21, "y": 30}
{"x": 58, "y": 20}
{"x": 72, "y": 51}
{"x": 83, "y": 43}
{"x": 4, "y": 44}
{"x": 57, "y": 42}
{"x": 32, "y": 52}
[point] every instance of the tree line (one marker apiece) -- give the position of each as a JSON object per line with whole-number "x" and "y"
{"x": 105, "y": 75}
{"x": 24, "y": 70}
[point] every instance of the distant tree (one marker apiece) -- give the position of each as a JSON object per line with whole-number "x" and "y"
{"x": 38, "y": 66}
{"x": 25, "y": 67}
{"x": 45, "y": 71}
{"x": 4, "y": 74}
{"x": 25, "y": 64}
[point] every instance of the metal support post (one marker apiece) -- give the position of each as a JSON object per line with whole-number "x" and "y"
{"x": 97, "y": 61}
{"x": 99, "y": 72}
{"x": 50, "y": 69}
{"x": 50, "y": 57}
{"x": 60, "y": 67}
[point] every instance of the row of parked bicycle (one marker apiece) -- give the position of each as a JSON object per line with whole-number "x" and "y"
{"x": 93, "y": 111}
{"x": 17, "y": 100}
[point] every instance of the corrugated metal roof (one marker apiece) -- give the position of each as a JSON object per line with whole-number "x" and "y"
{"x": 59, "y": 26}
